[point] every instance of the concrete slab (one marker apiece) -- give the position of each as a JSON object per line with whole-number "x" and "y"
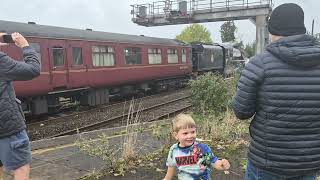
{"x": 56, "y": 154}
{"x": 82, "y": 162}
{"x": 54, "y": 171}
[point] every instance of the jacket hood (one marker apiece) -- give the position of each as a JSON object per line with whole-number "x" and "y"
{"x": 299, "y": 50}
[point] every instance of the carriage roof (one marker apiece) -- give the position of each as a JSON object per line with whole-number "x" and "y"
{"x": 44, "y": 31}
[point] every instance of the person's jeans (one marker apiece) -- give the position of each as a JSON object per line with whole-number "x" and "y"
{"x": 254, "y": 173}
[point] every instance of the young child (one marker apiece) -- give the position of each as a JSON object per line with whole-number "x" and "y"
{"x": 191, "y": 159}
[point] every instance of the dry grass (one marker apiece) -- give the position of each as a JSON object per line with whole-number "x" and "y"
{"x": 117, "y": 159}
{"x": 130, "y": 140}
{"x": 224, "y": 127}
{"x": 229, "y": 127}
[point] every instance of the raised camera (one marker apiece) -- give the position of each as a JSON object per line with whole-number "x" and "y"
{"x": 7, "y": 38}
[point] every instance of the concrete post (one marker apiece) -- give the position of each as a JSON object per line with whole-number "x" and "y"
{"x": 262, "y": 34}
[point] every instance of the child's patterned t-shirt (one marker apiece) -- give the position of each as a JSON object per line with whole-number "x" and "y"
{"x": 193, "y": 162}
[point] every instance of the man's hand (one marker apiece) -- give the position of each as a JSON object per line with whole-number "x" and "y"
{"x": 19, "y": 40}
{"x": 1, "y": 43}
{"x": 222, "y": 164}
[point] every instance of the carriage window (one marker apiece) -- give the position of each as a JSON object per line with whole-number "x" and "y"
{"x": 132, "y": 55}
{"x": 58, "y": 59}
{"x": 77, "y": 56}
{"x": 184, "y": 56}
{"x": 36, "y": 46}
{"x": 237, "y": 54}
{"x": 172, "y": 56}
{"x": 103, "y": 56}
{"x": 154, "y": 55}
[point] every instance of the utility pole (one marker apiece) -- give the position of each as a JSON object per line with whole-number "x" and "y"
{"x": 312, "y": 27}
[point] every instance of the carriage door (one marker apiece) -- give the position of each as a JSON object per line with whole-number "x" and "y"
{"x": 59, "y": 64}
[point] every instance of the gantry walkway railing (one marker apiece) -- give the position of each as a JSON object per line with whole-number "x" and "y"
{"x": 192, "y": 11}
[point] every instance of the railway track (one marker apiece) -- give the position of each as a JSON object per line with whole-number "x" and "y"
{"x": 149, "y": 108}
{"x": 146, "y": 115}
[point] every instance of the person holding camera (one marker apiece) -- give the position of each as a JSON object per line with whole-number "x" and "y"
{"x": 15, "y": 150}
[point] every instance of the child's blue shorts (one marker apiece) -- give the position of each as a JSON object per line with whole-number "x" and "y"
{"x": 15, "y": 151}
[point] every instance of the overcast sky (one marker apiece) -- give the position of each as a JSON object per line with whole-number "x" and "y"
{"x": 114, "y": 16}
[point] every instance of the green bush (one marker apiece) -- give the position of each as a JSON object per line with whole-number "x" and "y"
{"x": 210, "y": 94}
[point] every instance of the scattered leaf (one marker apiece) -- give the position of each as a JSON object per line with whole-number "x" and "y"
{"x": 160, "y": 170}
{"x": 133, "y": 171}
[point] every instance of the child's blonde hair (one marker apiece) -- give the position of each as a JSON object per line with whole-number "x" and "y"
{"x": 182, "y": 121}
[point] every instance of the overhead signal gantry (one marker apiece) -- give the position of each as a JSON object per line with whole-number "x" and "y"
{"x": 173, "y": 12}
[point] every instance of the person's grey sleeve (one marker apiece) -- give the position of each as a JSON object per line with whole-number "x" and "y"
{"x": 29, "y": 68}
{"x": 244, "y": 102}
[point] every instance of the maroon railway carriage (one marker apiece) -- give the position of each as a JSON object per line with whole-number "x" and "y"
{"x": 89, "y": 66}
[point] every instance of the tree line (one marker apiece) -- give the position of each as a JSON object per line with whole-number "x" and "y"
{"x": 199, "y": 33}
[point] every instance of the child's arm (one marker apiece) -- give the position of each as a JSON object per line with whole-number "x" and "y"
{"x": 221, "y": 164}
{"x": 170, "y": 173}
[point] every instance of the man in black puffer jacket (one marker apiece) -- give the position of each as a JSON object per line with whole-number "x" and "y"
{"x": 15, "y": 151}
{"x": 280, "y": 88}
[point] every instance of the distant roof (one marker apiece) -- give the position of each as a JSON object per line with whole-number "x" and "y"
{"x": 37, "y": 30}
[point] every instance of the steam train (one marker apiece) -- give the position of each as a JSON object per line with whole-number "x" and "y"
{"x": 224, "y": 59}
{"x": 89, "y": 67}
